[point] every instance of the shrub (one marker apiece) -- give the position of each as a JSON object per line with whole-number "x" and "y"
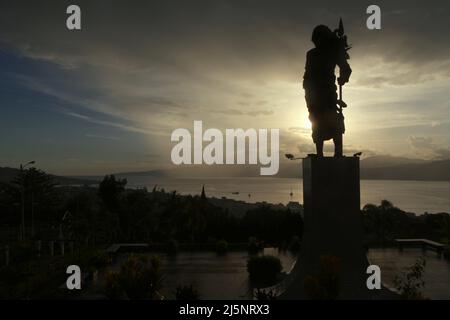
{"x": 254, "y": 245}
{"x": 265, "y": 295}
{"x": 295, "y": 244}
{"x": 172, "y": 246}
{"x": 138, "y": 278}
{"x": 186, "y": 293}
{"x": 112, "y": 286}
{"x": 23, "y": 252}
{"x": 221, "y": 246}
{"x": 264, "y": 270}
{"x": 99, "y": 260}
{"x": 409, "y": 282}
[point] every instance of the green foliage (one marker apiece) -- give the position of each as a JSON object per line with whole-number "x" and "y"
{"x": 324, "y": 285}
{"x": 265, "y": 295}
{"x": 91, "y": 221}
{"x": 295, "y": 244}
{"x": 22, "y": 252}
{"x": 110, "y": 189}
{"x": 264, "y": 270}
{"x": 186, "y": 293}
{"x": 410, "y": 281}
{"x": 111, "y": 213}
{"x": 172, "y": 246}
{"x": 385, "y": 222}
{"x": 112, "y": 288}
{"x": 41, "y": 278}
{"x": 99, "y": 260}
{"x": 138, "y": 278}
{"x": 272, "y": 226}
{"x": 254, "y": 245}
{"x": 34, "y": 180}
{"x": 36, "y": 190}
{"x": 221, "y": 246}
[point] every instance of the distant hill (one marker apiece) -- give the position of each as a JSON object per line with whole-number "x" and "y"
{"x": 388, "y": 161}
{"x": 433, "y": 170}
{"x": 8, "y": 174}
{"x": 376, "y": 167}
{"x": 153, "y": 173}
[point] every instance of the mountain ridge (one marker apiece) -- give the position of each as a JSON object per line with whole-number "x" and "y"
{"x": 7, "y": 174}
{"x": 372, "y": 168}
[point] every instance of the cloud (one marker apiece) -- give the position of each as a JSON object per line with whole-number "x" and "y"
{"x": 304, "y": 145}
{"x": 246, "y": 113}
{"x": 421, "y": 142}
{"x": 442, "y": 153}
{"x": 110, "y": 123}
{"x": 427, "y": 147}
{"x": 97, "y": 136}
{"x": 300, "y": 130}
{"x": 148, "y": 67}
{"x": 256, "y": 40}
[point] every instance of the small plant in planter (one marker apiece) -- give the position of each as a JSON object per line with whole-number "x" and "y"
{"x": 265, "y": 295}
{"x": 221, "y": 246}
{"x": 410, "y": 281}
{"x": 139, "y": 277}
{"x": 264, "y": 270}
{"x": 186, "y": 293}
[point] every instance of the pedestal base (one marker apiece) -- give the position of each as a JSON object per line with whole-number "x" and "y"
{"x": 332, "y": 227}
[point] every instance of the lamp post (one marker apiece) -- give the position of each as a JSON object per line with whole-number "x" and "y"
{"x": 290, "y": 156}
{"x": 32, "y": 212}
{"x": 23, "y": 198}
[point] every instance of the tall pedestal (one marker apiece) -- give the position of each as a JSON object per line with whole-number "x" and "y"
{"x": 332, "y": 227}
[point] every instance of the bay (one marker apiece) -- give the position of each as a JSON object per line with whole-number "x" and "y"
{"x": 412, "y": 196}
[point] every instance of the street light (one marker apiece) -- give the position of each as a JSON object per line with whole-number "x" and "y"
{"x": 23, "y": 166}
{"x": 23, "y": 197}
{"x": 290, "y": 156}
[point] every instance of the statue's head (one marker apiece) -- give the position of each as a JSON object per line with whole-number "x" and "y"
{"x": 322, "y": 36}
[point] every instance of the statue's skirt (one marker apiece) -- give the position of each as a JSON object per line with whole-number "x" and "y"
{"x": 326, "y": 124}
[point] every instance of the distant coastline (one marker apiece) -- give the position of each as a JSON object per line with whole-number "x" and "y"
{"x": 371, "y": 168}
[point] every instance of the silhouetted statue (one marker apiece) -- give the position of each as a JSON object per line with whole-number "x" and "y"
{"x": 325, "y": 110}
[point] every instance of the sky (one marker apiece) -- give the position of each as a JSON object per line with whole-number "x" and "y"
{"x": 106, "y": 98}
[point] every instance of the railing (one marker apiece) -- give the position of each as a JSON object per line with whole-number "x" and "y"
{"x": 424, "y": 243}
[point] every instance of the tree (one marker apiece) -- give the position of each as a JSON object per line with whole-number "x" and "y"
{"x": 187, "y": 293}
{"x": 138, "y": 278}
{"x": 35, "y": 188}
{"x": 110, "y": 190}
{"x": 410, "y": 281}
